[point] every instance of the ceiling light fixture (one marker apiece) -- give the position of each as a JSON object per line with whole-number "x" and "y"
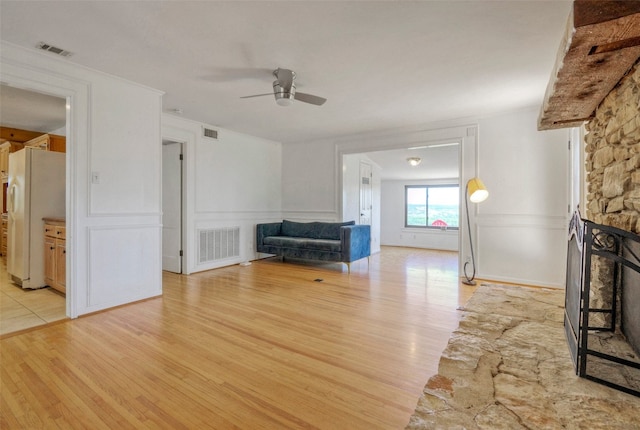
{"x": 414, "y": 161}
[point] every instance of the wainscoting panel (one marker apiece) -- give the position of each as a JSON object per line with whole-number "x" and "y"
{"x": 124, "y": 265}
{"x": 527, "y": 250}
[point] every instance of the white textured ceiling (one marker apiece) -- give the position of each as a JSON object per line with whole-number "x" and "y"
{"x": 439, "y": 161}
{"x": 381, "y": 65}
{"x": 28, "y": 110}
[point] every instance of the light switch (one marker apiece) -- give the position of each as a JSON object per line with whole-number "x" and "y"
{"x": 95, "y": 177}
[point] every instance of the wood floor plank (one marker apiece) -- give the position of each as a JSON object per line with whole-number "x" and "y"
{"x": 282, "y": 345}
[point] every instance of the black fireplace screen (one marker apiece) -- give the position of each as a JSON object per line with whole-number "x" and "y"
{"x": 602, "y": 304}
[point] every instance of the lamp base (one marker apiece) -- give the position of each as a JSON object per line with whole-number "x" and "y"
{"x": 469, "y": 282}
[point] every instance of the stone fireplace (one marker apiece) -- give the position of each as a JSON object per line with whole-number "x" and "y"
{"x": 596, "y": 82}
{"x": 613, "y": 200}
{"x": 613, "y": 157}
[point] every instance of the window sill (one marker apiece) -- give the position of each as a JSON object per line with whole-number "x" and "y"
{"x": 424, "y": 230}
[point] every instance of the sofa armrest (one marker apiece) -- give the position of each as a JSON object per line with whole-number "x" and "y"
{"x": 266, "y": 230}
{"x": 356, "y": 242}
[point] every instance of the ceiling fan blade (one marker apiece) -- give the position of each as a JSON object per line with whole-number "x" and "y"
{"x": 256, "y": 95}
{"x": 309, "y": 98}
{"x": 233, "y": 74}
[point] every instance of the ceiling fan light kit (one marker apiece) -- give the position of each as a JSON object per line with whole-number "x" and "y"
{"x": 284, "y": 90}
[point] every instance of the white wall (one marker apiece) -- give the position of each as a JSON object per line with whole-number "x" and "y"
{"x": 310, "y": 182}
{"x": 59, "y": 131}
{"x": 351, "y": 187}
{"x": 394, "y": 232}
{"x": 113, "y": 226}
{"x": 234, "y": 181}
{"x": 522, "y": 226}
{"x": 376, "y": 211}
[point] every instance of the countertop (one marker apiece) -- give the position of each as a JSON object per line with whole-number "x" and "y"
{"x": 54, "y": 220}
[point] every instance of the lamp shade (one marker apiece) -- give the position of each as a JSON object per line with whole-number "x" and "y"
{"x": 477, "y": 191}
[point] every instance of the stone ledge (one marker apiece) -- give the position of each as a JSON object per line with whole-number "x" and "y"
{"x": 507, "y": 366}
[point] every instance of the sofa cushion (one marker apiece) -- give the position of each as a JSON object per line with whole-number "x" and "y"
{"x": 304, "y": 243}
{"x": 313, "y": 230}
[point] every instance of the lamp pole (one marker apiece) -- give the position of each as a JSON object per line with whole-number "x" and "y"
{"x": 469, "y": 280}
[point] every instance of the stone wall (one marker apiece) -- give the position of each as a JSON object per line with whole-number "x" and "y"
{"x": 613, "y": 175}
{"x": 613, "y": 157}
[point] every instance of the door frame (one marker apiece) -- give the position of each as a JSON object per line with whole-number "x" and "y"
{"x": 76, "y": 120}
{"x": 465, "y": 134}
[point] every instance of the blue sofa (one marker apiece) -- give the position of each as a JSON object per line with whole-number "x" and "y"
{"x": 326, "y": 241}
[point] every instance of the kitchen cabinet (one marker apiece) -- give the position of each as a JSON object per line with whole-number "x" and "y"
{"x": 5, "y": 148}
{"x": 18, "y": 138}
{"x": 55, "y": 253}
{"x": 40, "y": 142}
{"x": 3, "y": 235}
{"x": 3, "y": 194}
{"x": 49, "y": 257}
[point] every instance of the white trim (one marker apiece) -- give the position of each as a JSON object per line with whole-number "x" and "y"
{"x": 77, "y": 93}
{"x": 237, "y": 212}
{"x": 516, "y": 220}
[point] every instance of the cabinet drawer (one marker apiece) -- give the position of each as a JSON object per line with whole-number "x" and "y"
{"x": 50, "y": 230}
{"x": 57, "y": 231}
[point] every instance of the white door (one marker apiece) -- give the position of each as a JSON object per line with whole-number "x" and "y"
{"x": 365, "y": 193}
{"x": 172, "y": 206}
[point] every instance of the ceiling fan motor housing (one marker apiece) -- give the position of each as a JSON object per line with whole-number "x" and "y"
{"x": 284, "y": 96}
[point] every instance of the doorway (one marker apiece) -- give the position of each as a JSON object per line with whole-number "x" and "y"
{"x": 439, "y": 164}
{"x": 172, "y": 206}
{"x": 37, "y": 120}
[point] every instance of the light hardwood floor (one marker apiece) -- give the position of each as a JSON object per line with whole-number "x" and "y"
{"x": 274, "y": 345}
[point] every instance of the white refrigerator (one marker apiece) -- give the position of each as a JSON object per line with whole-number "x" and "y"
{"x": 36, "y": 190}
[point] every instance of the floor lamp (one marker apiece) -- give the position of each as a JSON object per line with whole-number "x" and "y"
{"x": 476, "y": 192}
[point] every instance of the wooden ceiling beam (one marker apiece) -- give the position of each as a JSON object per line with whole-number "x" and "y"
{"x": 600, "y": 45}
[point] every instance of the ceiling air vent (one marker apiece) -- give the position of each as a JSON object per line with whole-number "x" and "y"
{"x": 210, "y": 133}
{"x": 54, "y": 49}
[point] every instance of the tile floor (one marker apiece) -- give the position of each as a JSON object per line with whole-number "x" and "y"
{"x": 22, "y": 309}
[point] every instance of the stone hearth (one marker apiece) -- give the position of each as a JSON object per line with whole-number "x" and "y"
{"x": 507, "y": 366}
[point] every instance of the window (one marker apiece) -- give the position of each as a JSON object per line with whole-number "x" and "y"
{"x": 432, "y": 206}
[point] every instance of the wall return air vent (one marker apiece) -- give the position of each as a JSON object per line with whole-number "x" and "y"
{"x": 53, "y": 49}
{"x": 210, "y": 133}
{"x": 218, "y": 244}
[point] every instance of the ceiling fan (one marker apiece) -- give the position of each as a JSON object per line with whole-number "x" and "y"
{"x": 284, "y": 90}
